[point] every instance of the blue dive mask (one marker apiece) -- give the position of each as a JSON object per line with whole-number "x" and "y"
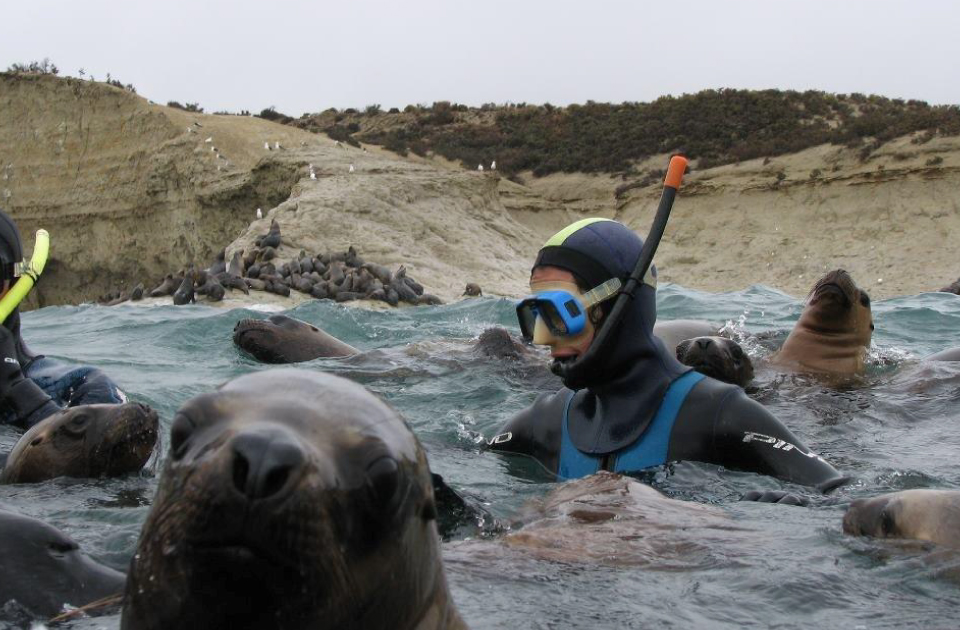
{"x": 564, "y": 313}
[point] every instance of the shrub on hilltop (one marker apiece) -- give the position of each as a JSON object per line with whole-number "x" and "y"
{"x": 714, "y": 126}
{"x": 34, "y": 67}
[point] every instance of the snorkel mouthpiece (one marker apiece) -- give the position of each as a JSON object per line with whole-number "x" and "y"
{"x": 575, "y": 372}
{"x": 30, "y": 273}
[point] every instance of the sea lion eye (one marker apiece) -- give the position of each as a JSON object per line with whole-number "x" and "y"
{"x": 37, "y": 441}
{"x": 180, "y": 434}
{"x": 383, "y": 481}
{"x": 76, "y": 425}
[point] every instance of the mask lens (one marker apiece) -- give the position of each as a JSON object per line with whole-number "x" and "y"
{"x": 553, "y": 319}
{"x": 527, "y": 317}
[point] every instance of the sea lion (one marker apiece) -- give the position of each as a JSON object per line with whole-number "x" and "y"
{"x": 282, "y": 339}
{"x": 219, "y": 264}
{"x": 834, "y": 330}
{"x": 255, "y": 284}
{"x": 718, "y": 357}
{"x": 272, "y": 238}
{"x": 472, "y": 290}
{"x": 953, "y": 287}
{"x": 43, "y": 569}
{"x": 235, "y": 268}
{"x": 610, "y": 519}
{"x": 953, "y": 354}
{"x": 231, "y": 281}
{"x": 672, "y": 332}
{"x": 84, "y": 441}
{"x": 932, "y": 515}
{"x": 428, "y": 299}
{"x": 291, "y": 499}
{"x": 167, "y": 287}
{"x": 137, "y": 294}
{"x": 379, "y": 272}
{"x": 184, "y": 295}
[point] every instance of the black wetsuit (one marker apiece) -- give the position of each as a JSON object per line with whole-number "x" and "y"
{"x": 717, "y": 423}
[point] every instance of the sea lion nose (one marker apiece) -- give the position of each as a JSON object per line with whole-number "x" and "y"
{"x": 703, "y": 344}
{"x": 264, "y": 461}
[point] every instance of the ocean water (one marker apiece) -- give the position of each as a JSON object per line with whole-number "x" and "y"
{"x": 897, "y": 427}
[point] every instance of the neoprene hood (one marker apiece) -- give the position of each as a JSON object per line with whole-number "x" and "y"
{"x": 616, "y": 402}
{"x": 11, "y": 246}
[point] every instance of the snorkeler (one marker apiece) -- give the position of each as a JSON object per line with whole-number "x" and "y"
{"x": 32, "y": 386}
{"x": 628, "y": 404}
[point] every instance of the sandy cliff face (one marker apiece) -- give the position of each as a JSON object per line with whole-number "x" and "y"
{"x": 130, "y": 191}
{"x": 125, "y": 190}
{"x": 892, "y": 221}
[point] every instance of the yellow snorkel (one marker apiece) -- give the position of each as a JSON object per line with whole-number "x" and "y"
{"x": 28, "y": 276}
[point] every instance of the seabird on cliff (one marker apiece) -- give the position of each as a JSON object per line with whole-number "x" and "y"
{"x": 480, "y": 167}
{"x": 493, "y": 165}
{"x": 351, "y": 168}
{"x": 276, "y": 145}
{"x": 259, "y": 213}
{"x": 266, "y": 145}
{"x": 210, "y": 139}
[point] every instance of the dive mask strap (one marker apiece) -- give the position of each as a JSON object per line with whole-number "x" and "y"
{"x": 602, "y": 292}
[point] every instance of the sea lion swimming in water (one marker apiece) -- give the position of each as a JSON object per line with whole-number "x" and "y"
{"x": 834, "y": 330}
{"x": 672, "y": 332}
{"x": 282, "y": 339}
{"x": 43, "y": 569}
{"x": 932, "y": 515}
{"x": 84, "y": 441}
{"x": 719, "y": 357}
{"x": 953, "y": 354}
{"x": 295, "y": 500}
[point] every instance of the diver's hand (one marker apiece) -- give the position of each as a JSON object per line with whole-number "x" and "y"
{"x": 775, "y": 496}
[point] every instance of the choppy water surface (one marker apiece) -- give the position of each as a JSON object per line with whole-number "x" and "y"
{"x": 898, "y": 427}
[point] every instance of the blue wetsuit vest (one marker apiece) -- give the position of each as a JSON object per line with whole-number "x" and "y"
{"x": 649, "y": 450}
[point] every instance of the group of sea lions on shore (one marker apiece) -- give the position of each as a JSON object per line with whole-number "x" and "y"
{"x": 308, "y": 495}
{"x": 339, "y": 276}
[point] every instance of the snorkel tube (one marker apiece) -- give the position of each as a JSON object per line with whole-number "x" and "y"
{"x": 29, "y": 276}
{"x": 577, "y": 370}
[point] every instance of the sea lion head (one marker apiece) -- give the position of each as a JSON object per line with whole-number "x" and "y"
{"x": 922, "y": 514}
{"x": 290, "y": 499}
{"x": 498, "y": 342}
{"x": 837, "y": 305}
{"x": 84, "y": 441}
{"x": 282, "y": 339}
{"x": 717, "y": 357}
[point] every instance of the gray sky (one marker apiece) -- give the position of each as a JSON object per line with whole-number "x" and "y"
{"x": 307, "y": 56}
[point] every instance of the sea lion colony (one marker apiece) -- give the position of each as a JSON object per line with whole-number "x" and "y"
{"x": 340, "y": 276}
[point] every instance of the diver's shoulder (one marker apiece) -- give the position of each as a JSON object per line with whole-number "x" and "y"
{"x": 709, "y": 387}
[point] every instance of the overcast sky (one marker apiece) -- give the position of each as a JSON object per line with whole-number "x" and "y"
{"x": 306, "y": 56}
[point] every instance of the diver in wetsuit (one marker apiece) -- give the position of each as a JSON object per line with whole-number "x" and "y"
{"x": 32, "y": 386}
{"x": 637, "y": 407}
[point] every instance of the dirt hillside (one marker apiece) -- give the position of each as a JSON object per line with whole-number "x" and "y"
{"x": 130, "y": 190}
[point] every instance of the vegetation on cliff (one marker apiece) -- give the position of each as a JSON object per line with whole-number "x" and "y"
{"x": 715, "y": 126}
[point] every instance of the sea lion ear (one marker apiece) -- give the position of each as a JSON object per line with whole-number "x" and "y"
{"x": 429, "y": 510}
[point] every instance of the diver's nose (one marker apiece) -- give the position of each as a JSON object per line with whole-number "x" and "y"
{"x": 703, "y": 344}
{"x": 264, "y": 462}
